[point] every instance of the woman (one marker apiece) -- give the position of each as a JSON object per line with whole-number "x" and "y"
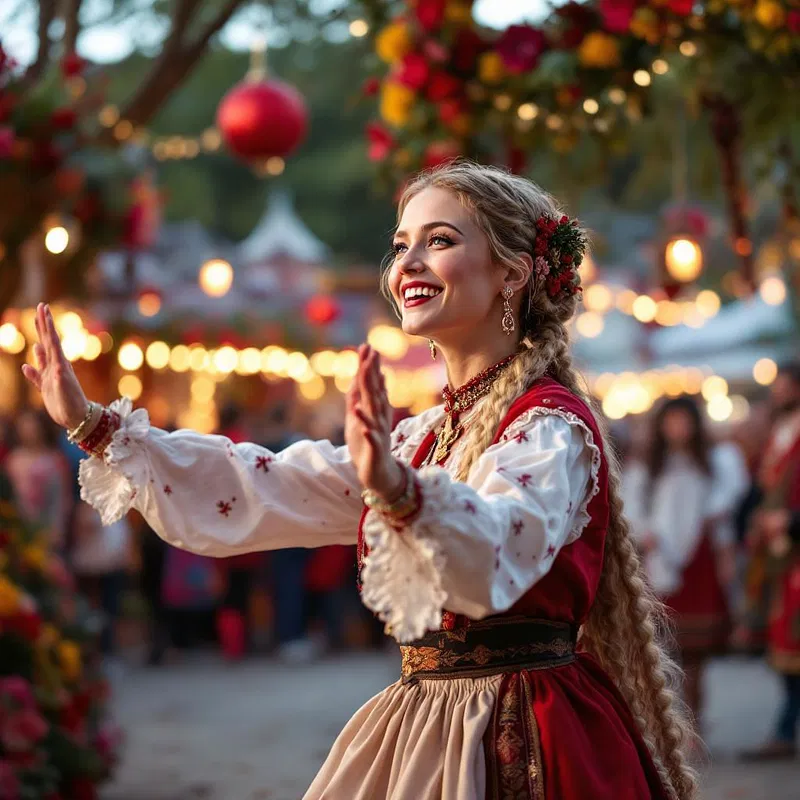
{"x": 492, "y": 533}
{"x": 680, "y": 500}
{"x": 38, "y": 473}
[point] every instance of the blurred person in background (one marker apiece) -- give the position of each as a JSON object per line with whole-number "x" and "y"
{"x": 100, "y": 560}
{"x": 773, "y": 578}
{"x": 680, "y": 500}
{"x": 40, "y": 476}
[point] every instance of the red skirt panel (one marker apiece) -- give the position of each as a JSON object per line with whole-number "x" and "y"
{"x": 699, "y": 608}
{"x": 784, "y": 624}
{"x": 565, "y": 733}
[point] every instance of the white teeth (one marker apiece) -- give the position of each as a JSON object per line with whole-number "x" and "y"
{"x": 421, "y": 291}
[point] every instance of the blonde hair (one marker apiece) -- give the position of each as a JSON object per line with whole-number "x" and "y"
{"x": 626, "y": 621}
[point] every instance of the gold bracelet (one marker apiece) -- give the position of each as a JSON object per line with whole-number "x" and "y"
{"x": 405, "y": 507}
{"x": 89, "y": 423}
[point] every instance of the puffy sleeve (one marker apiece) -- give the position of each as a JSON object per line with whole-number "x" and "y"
{"x": 476, "y": 547}
{"x": 213, "y": 497}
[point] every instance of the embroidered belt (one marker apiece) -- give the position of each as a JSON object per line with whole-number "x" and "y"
{"x": 489, "y": 647}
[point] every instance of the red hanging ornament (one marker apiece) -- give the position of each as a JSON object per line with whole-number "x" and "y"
{"x": 262, "y": 118}
{"x": 322, "y": 310}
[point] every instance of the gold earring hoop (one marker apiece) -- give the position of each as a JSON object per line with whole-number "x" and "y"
{"x": 507, "y": 323}
{"x": 432, "y": 346}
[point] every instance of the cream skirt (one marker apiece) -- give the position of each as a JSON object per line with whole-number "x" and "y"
{"x": 422, "y": 741}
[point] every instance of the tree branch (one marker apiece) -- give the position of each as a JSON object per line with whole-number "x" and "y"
{"x": 175, "y": 63}
{"x": 72, "y": 24}
{"x": 47, "y": 12}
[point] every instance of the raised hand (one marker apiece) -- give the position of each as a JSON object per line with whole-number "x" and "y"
{"x": 368, "y": 427}
{"x": 53, "y": 375}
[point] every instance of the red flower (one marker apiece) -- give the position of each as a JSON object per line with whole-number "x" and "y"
{"x": 793, "y": 21}
{"x": 20, "y": 731}
{"x": 6, "y": 151}
{"x": 63, "y": 119}
{"x": 681, "y": 7}
{"x": 9, "y": 783}
{"x": 579, "y": 20}
{"x": 440, "y": 153}
{"x": 18, "y": 690}
{"x": 521, "y": 47}
{"x": 451, "y": 110}
{"x": 414, "y": 71}
{"x": 7, "y": 103}
{"x": 72, "y": 65}
{"x": 467, "y": 48}
{"x": 430, "y": 14}
{"x": 81, "y": 789}
{"x": 617, "y": 14}
{"x": 380, "y": 142}
{"x": 26, "y": 624}
{"x": 371, "y": 87}
{"x": 442, "y": 85}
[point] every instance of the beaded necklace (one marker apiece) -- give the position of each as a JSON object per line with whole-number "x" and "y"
{"x": 457, "y": 401}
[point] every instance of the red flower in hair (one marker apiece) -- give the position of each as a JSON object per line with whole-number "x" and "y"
{"x": 380, "y": 142}
{"x": 521, "y": 47}
{"x": 414, "y": 71}
{"x": 430, "y": 14}
{"x": 617, "y": 14}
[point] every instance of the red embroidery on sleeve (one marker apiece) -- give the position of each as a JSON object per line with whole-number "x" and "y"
{"x": 263, "y": 462}
{"x": 521, "y": 437}
{"x": 525, "y": 480}
{"x": 469, "y": 507}
{"x": 518, "y": 527}
{"x": 167, "y": 489}
{"x": 225, "y": 508}
{"x": 551, "y": 551}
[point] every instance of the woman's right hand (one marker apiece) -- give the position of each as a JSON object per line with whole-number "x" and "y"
{"x": 53, "y": 375}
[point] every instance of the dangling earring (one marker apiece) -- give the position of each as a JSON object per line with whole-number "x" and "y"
{"x": 508, "y": 315}
{"x": 432, "y": 346}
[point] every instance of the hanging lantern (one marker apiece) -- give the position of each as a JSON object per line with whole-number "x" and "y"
{"x": 683, "y": 259}
{"x": 259, "y": 118}
{"x": 322, "y": 310}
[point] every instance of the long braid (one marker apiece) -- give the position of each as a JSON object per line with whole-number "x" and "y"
{"x": 626, "y": 621}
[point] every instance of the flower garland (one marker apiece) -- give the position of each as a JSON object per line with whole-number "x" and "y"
{"x": 559, "y": 249}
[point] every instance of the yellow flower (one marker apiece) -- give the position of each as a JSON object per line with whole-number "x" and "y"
{"x": 49, "y": 635}
{"x": 491, "y": 69}
{"x": 599, "y": 50}
{"x": 458, "y": 11}
{"x": 69, "y": 658}
{"x": 35, "y": 556}
{"x": 393, "y": 42}
{"x": 770, "y": 14}
{"x": 10, "y": 597}
{"x": 396, "y": 104}
{"x": 645, "y": 25}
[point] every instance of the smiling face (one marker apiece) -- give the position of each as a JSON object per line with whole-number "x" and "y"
{"x": 443, "y": 278}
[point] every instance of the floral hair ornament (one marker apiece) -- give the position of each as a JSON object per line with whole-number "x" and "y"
{"x": 558, "y": 252}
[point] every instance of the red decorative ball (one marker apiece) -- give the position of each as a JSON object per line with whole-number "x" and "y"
{"x": 260, "y": 119}
{"x": 322, "y": 310}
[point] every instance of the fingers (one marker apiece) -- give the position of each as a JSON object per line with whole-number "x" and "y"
{"x": 32, "y": 375}
{"x": 41, "y": 357}
{"x": 53, "y": 342}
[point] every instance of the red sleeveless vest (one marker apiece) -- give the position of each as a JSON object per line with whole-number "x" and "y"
{"x": 567, "y": 591}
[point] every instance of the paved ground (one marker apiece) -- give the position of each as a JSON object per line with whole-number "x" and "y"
{"x": 260, "y": 730}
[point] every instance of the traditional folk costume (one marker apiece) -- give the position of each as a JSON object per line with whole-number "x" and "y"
{"x": 687, "y": 516}
{"x": 485, "y": 588}
{"x": 773, "y": 581}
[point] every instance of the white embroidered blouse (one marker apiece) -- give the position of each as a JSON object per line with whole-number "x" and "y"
{"x": 475, "y": 548}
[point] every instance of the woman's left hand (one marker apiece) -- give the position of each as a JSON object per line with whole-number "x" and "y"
{"x": 368, "y": 428}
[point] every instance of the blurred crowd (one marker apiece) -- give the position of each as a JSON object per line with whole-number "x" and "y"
{"x": 713, "y": 511}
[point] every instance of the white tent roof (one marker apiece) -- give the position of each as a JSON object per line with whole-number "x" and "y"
{"x": 281, "y": 232}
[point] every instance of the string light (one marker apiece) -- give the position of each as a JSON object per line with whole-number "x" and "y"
{"x": 359, "y": 28}
{"x": 216, "y": 277}
{"x": 773, "y": 290}
{"x": 528, "y": 111}
{"x": 765, "y": 371}
{"x": 684, "y": 259}
{"x": 56, "y": 240}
